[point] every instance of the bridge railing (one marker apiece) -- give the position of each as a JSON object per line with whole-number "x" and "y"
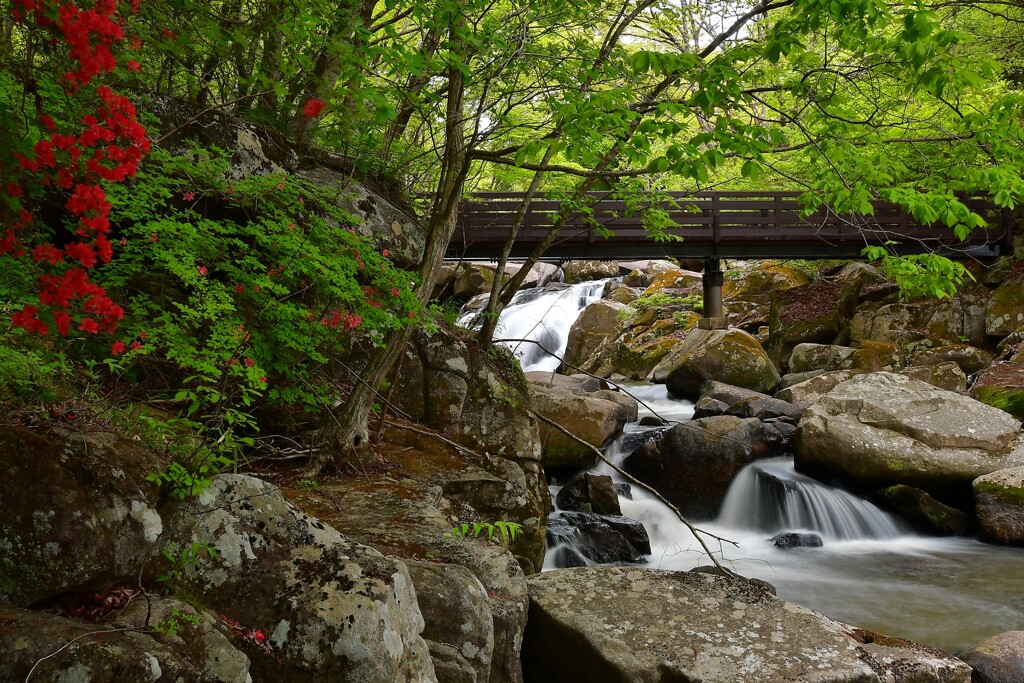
{"x": 717, "y": 218}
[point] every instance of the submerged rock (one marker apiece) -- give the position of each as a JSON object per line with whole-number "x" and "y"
{"x": 883, "y": 428}
{"x": 923, "y": 512}
{"x": 599, "y": 538}
{"x": 629, "y": 624}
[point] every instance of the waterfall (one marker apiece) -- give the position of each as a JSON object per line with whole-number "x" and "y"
{"x": 771, "y": 496}
{"x": 543, "y": 315}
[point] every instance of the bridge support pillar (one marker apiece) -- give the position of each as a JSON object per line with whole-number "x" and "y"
{"x": 714, "y": 316}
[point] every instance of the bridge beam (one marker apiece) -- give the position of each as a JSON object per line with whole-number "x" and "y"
{"x": 713, "y": 279}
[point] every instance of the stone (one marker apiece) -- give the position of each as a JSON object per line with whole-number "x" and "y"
{"x": 62, "y": 649}
{"x": 924, "y": 513}
{"x": 595, "y": 323}
{"x": 789, "y": 540}
{"x": 824, "y": 357}
{"x": 881, "y": 428}
{"x": 709, "y": 407}
{"x": 581, "y": 271}
{"x": 1002, "y": 385}
{"x": 599, "y": 538}
{"x": 589, "y": 492}
{"x": 759, "y": 283}
{"x": 813, "y": 313}
{"x": 674, "y": 278}
{"x": 766, "y": 409}
{"x": 727, "y": 393}
{"x": 997, "y": 659}
{"x": 1004, "y": 312}
{"x": 620, "y": 293}
{"x": 651, "y": 421}
{"x": 79, "y": 513}
{"x": 647, "y": 269}
{"x": 475, "y": 279}
{"x": 693, "y": 463}
{"x": 730, "y": 356}
{"x": 633, "y": 624}
{"x": 947, "y": 376}
{"x": 792, "y": 378}
{"x": 907, "y": 322}
{"x": 456, "y": 613}
{"x": 1011, "y": 348}
{"x": 808, "y": 392}
{"x": 999, "y": 506}
{"x": 594, "y": 420}
{"x": 935, "y": 351}
{"x": 330, "y": 607}
{"x": 572, "y": 384}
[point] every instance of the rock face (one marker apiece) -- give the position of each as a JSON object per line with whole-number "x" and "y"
{"x": 1002, "y": 385}
{"x": 590, "y": 492}
{"x": 692, "y": 463}
{"x": 635, "y": 625}
{"x": 730, "y": 356}
{"x": 1004, "y": 312}
{"x": 812, "y": 313}
{"x": 999, "y": 659}
{"x": 923, "y": 512}
{"x": 882, "y": 428}
{"x": 907, "y": 322}
{"x": 999, "y": 502}
{"x": 331, "y": 608}
{"x": 82, "y": 491}
{"x": 596, "y": 322}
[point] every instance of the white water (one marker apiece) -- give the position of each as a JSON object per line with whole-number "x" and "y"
{"x": 544, "y": 316}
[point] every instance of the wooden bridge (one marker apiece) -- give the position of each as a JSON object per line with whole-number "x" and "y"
{"x": 716, "y": 225}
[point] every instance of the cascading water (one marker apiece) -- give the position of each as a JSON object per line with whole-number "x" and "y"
{"x": 543, "y": 315}
{"x": 771, "y": 496}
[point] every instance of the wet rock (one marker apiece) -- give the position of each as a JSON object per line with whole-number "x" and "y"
{"x": 692, "y": 463}
{"x": 78, "y": 512}
{"x": 331, "y": 608}
{"x": 601, "y": 539}
{"x": 791, "y": 539}
{"x": 595, "y": 323}
{"x": 998, "y": 659}
{"x": 631, "y": 624}
{"x": 923, "y": 512}
{"x": 594, "y": 420}
{"x": 882, "y": 428}
{"x": 589, "y": 492}
{"x": 730, "y": 356}
{"x": 620, "y": 293}
{"x": 999, "y": 505}
{"x": 581, "y": 271}
{"x": 62, "y": 649}
{"x": 652, "y": 421}
{"x": 1002, "y": 385}
{"x": 456, "y": 613}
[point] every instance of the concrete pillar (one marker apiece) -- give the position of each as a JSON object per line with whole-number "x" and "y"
{"x": 714, "y": 316}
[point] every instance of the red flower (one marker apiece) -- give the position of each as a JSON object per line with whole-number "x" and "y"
{"x": 203, "y": 270}
{"x": 384, "y": 253}
{"x": 136, "y": 345}
{"x": 134, "y": 66}
{"x": 117, "y": 348}
{"x": 249, "y": 362}
{"x": 313, "y": 108}
{"x": 188, "y": 196}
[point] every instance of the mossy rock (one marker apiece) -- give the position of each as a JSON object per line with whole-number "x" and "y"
{"x": 999, "y": 503}
{"x": 1002, "y": 386}
{"x": 730, "y": 356}
{"x": 1004, "y": 312}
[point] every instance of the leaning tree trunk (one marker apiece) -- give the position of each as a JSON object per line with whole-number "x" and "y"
{"x": 349, "y": 435}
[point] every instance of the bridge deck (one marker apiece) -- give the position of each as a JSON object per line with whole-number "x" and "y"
{"x": 720, "y": 224}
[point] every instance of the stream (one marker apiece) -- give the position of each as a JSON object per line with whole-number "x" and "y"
{"x": 872, "y": 571}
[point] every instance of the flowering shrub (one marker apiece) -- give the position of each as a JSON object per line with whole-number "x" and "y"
{"x": 68, "y": 153}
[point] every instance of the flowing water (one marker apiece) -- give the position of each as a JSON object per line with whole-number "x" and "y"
{"x": 871, "y": 572}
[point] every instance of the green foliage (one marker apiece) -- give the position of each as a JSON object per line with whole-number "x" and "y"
{"x": 663, "y": 300}
{"x": 180, "y": 559}
{"x": 177, "y": 622}
{"x": 507, "y": 530}
{"x": 921, "y": 276}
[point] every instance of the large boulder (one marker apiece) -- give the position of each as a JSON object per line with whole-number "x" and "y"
{"x": 692, "y": 463}
{"x": 808, "y": 392}
{"x": 330, "y": 607}
{"x": 999, "y": 505}
{"x": 597, "y": 538}
{"x": 638, "y": 625}
{"x": 595, "y": 323}
{"x": 882, "y": 428}
{"x": 813, "y": 313}
{"x": 946, "y": 376}
{"x": 906, "y": 322}
{"x": 474, "y": 279}
{"x": 589, "y": 492}
{"x": 672, "y": 279}
{"x": 78, "y": 513}
{"x": 760, "y": 281}
{"x": 592, "y": 419}
{"x": 936, "y": 351}
{"x": 1005, "y": 310}
{"x": 581, "y": 271}
{"x": 730, "y": 356}
{"x": 997, "y": 659}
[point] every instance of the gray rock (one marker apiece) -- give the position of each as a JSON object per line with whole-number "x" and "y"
{"x": 998, "y": 659}
{"x": 595, "y": 323}
{"x": 923, "y": 512}
{"x": 709, "y": 407}
{"x": 728, "y": 393}
{"x": 947, "y": 375}
{"x": 935, "y": 351}
{"x": 630, "y": 624}
{"x": 1004, "y": 312}
{"x": 78, "y": 512}
{"x": 808, "y": 392}
{"x": 792, "y": 539}
{"x": 330, "y": 607}
{"x": 882, "y": 428}
{"x": 594, "y": 420}
{"x": 693, "y": 463}
{"x": 999, "y": 504}
{"x": 456, "y": 613}
{"x": 765, "y": 409}
{"x": 825, "y": 357}
{"x": 599, "y": 538}
{"x": 907, "y": 322}
{"x": 792, "y": 378}
{"x": 570, "y": 384}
